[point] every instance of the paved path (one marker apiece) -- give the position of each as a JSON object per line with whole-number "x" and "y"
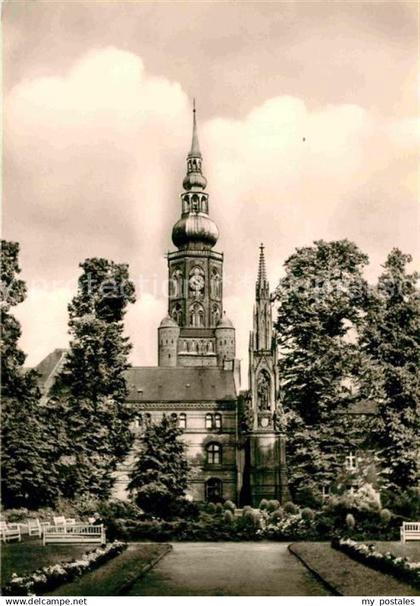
{"x": 237, "y": 569}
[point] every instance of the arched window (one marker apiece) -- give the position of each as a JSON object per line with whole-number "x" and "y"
{"x": 214, "y": 453}
{"x": 147, "y": 419}
{"x": 215, "y": 284}
{"x": 209, "y": 421}
{"x": 175, "y": 284}
{"x": 174, "y": 418}
{"x": 217, "y": 420}
{"x": 182, "y": 420}
{"x": 196, "y": 315}
{"x": 195, "y": 206}
{"x": 263, "y": 391}
{"x": 177, "y": 314}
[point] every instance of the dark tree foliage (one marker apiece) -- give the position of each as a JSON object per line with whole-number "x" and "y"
{"x": 160, "y": 476}
{"x": 90, "y": 392}
{"x": 320, "y": 299}
{"x": 28, "y": 472}
{"x": 391, "y": 337}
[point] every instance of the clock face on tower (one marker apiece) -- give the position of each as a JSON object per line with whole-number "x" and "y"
{"x": 196, "y": 281}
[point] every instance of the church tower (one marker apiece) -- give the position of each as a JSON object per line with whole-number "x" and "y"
{"x": 267, "y": 472}
{"x": 196, "y": 331}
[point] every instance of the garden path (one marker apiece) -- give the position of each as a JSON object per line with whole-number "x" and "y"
{"x": 222, "y": 569}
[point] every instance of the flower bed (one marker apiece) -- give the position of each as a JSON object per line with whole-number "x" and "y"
{"x": 401, "y": 568}
{"x": 48, "y": 578}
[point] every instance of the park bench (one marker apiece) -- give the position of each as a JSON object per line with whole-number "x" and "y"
{"x": 75, "y": 533}
{"x": 34, "y": 527}
{"x": 9, "y": 531}
{"x": 410, "y": 531}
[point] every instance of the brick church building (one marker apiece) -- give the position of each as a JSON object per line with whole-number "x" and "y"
{"x": 197, "y": 379}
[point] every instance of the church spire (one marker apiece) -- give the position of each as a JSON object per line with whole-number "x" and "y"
{"x": 195, "y": 230}
{"x": 262, "y": 286}
{"x": 194, "y": 179}
{"x": 262, "y": 309}
{"x": 262, "y": 274}
{"x": 195, "y": 147}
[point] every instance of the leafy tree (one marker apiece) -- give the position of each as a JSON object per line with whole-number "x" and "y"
{"x": 391, "y": 337}
{"x": 321, "y": 301}
{"x": 159, "y": 478}
{"x": 91, "y": 390}
{"x": 28, "y": 473}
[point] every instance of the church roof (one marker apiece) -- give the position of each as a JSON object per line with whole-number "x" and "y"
{"x": 157, "y": 384}
{"x": 48, "y": 367}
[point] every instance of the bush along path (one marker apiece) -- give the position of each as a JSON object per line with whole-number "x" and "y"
{"x": 399, "y": 567}
{"x": 346, "y": 577}
{"x": 118, "y": 575}
{"x": 49, "y": 577}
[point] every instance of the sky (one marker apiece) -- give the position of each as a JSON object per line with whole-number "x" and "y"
{"x": 308, "y": 125}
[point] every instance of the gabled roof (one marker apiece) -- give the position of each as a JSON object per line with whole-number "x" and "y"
{"x": 49, "y": 366}
{"x": 180, "y": 384}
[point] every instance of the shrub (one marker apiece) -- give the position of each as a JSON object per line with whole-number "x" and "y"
{"x": 228, "y": 516}
{"x": 230, "y": 505}
{"x": 309, "y": 496}
{"x": 385, "y": 515}
{"x": 290, "y": 508}
{"x": 253, "y": 516}
{"x": 263, "y": 504}
{"x": 366, "y": 498}
{"x": 277, "y": 515}
{"x": 273, "y": 505}
{"x": 16, "y": 515}
{"x": 219, "y": 508}
{"x": 211, "y": 508}
{"x": 406, "y": 504}
{"x": 350, "y": 521}
{"x": 246, "y": 508}
{"x": 87, "y": 506}
{"x": 307, "y": 514}
{"x": 116, "y": 508}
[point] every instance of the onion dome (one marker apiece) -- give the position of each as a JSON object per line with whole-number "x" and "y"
{"x": 168, "y": 322}
{"x": 194, "y": 180}
{"x": 225, "y": 322}
{"x": 197, "y": 230}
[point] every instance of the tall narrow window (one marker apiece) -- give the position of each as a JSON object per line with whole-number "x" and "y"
{"x": 217, "y": 421}
{"x": 214, "y": 454}
{"x": 209, "y": 421}
{"x": 177, "y": 313}
{"x": 196, "y": 315}
{"x": 182, "y": 420}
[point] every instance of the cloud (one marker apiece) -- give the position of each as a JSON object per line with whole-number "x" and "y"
{"x": 94, "y": 161}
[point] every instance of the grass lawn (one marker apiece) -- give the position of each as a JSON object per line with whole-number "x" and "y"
{"x": 117, "y": 575}
{"x": 346, "y": 576}
{"x": 28, "y": 556}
